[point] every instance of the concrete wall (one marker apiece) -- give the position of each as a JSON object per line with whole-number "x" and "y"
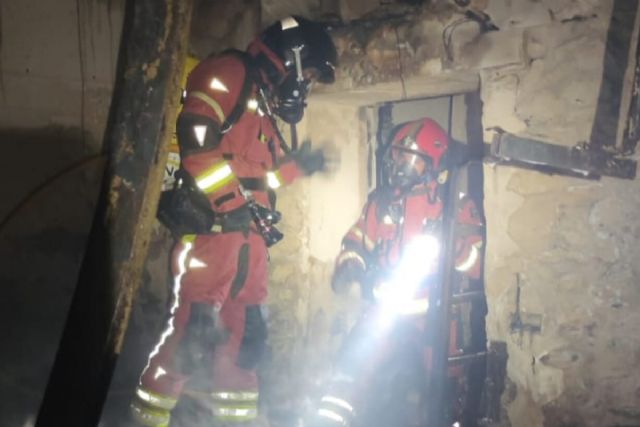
{"x": 57, "y": 64}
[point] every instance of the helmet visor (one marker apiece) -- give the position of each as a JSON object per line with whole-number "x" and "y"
{"x": 408, "y": 167}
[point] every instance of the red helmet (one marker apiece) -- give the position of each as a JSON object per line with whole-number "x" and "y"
{"x": 416, "y": 153}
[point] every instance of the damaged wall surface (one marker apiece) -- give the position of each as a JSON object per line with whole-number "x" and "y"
{"x": 569, "y": 245}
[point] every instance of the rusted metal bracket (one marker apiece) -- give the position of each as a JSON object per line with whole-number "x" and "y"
{"x": 578, "y": 161}
{"x": 524, "y": 322}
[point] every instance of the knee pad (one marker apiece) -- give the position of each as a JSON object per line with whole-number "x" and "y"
{"x": 254, "y": 338}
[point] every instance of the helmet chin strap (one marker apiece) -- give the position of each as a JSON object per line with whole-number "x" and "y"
{"x": 296, "y": 55}
{"x": 300, "y": 78}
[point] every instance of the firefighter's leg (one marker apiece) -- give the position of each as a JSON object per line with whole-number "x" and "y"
{"x": 339, "y": 403}
{"x": 235, "y": 396}
{"x": 203, "y": 267}
{"x": 364, "y": 351}
{"x": 161, "y": 381}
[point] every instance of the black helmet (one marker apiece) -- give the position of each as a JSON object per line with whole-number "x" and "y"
{"x": 284, "y": 50}
{"x": 316, "y": 47}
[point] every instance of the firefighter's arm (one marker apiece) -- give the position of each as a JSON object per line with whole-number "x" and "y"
{"x": 303, "y": 162}
{"x": 469, "y": 244}
{"x": 356, "y": 252}
{"x": 211, "y": 93}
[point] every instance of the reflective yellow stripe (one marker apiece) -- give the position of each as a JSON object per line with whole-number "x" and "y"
{"x": 274, "y": 179}
{"x": 157, "y": 400}
{"x": 149, "y": 417}
{"x": 188, "y": 238}
{"x": 210, "y": 102}
{"x": 214, "y": 178}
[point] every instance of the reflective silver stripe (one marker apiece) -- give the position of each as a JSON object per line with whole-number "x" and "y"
{"x": 235, "y": 413}
{"x": 368, "y": 243}
{"x": 471, "y": 260}
{"x": 236, "y": 396}
{"x": 215, "y": 177}
{"x": 187, "y": 241}
{"x": 338, "y": 402}
{"x": 327, "y": 413}
{"x": 288, "y": 23}
{"x": 216, "y": 84}
{"x": 158, "y": 400}
{"x": 351, "y": 255}
{"x": 274, "y": 180}
{"x": 210, "y": 102}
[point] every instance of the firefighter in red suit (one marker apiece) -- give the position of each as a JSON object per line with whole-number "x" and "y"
{"x": 394, "y": 217}
{"x": 231, "y": 150}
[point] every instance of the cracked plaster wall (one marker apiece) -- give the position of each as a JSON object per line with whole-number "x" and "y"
{"x": 572, "y": 243}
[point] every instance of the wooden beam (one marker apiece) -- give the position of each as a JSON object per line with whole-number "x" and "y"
{"x": 141, "y": 120}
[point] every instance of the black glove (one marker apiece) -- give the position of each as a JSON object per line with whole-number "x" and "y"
{"x": 346, "y": 273}
{"x": 310, "y": 161}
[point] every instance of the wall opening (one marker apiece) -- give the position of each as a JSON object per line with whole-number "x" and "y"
{"x": 460, "y": 116}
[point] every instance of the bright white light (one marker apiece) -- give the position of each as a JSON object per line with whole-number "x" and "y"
{"x": 414, "y": 307}
{"x": 397, "y": 296}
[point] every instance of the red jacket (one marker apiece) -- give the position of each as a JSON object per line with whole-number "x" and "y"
{"x": 384, "y": 229}
{"x": 213, "y": 89}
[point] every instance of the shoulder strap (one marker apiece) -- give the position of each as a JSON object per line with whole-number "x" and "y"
{"x": 251, "y": 77}
{"x": 243, "y": 96}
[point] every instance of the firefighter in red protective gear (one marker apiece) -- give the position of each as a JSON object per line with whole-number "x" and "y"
{"x": 233, "y": 154}
{"x": 394, "y": 217}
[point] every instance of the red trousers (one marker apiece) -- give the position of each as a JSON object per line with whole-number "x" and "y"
{"x": 225, "y": 270}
